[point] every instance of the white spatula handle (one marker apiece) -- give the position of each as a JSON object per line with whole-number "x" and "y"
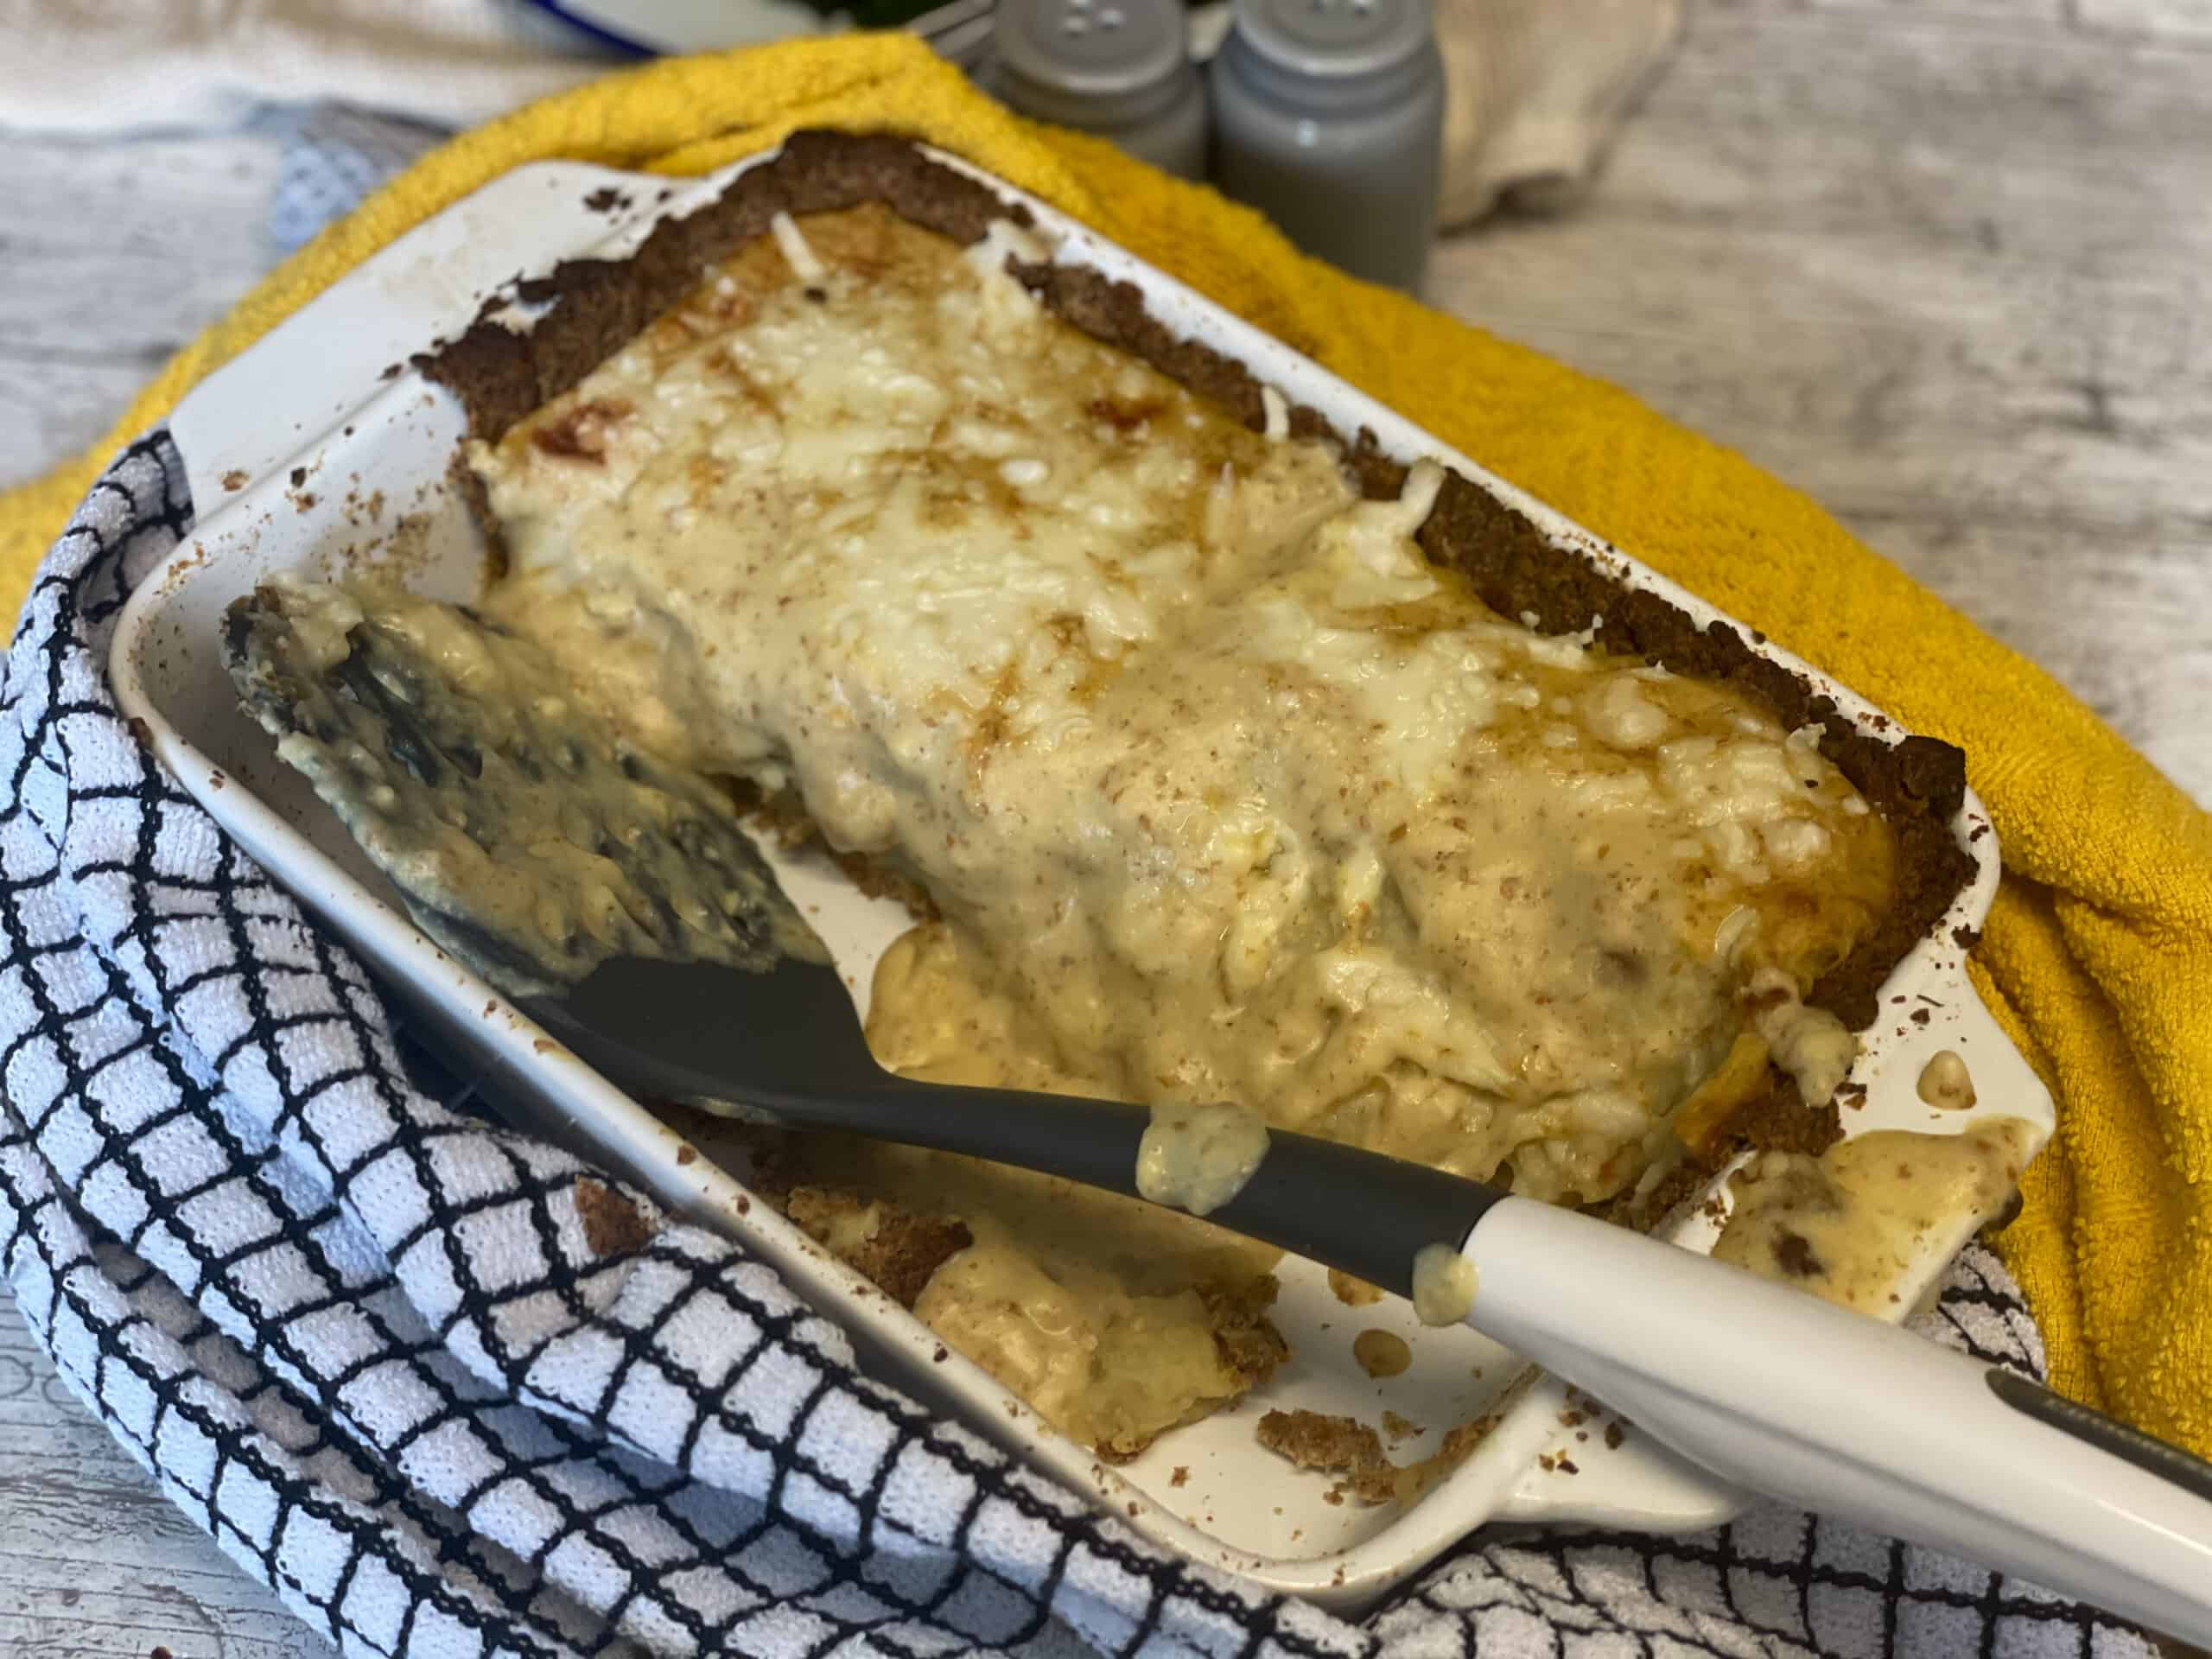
{"x": 1786, "y": 1394}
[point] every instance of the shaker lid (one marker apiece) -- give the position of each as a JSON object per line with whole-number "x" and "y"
{"x": 1100, "y": 47}
{"x": 1334, "y": 38}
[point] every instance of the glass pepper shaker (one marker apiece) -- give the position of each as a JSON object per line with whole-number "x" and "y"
{"x": 1329, "y": 118}
{"x": 1120, "y": 68}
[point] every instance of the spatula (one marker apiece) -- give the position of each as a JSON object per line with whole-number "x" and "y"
{"x": 737, "y": 1008}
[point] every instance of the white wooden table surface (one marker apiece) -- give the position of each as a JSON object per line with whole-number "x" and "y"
{"x": 1946, "y": 266}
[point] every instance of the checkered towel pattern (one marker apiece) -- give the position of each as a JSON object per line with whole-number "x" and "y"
{"x": 453, "y": 1394}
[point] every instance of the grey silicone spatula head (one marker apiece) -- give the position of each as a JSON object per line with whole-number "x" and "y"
{"x": 782, "y": 1041}
{"x": 786, "y": 1045}
{"x": 526, "y": 834}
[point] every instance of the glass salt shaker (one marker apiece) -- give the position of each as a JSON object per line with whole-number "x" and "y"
{"x": 1329, "y": 118}
{"x": 1119, "y": 68}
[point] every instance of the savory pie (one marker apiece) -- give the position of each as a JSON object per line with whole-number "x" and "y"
{"x": 1224, "y": 758}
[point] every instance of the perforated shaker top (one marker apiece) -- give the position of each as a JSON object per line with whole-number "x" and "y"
{"x": 1096, "y": 48}
{"x": 1334, "y": 38}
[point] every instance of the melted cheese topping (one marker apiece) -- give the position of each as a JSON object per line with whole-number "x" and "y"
{"x": 1115, "y": 1319}
{"x": 1382, "y": 1353}
{"x": 1811, "y": 1044}
{"x": 1444, "y": 1285}
{"x": 1198, "y": 1158}
{"x": 1945, "y": 1083}
{"x": 1223, "y": 793}
{"x": 1853, "y": 1224}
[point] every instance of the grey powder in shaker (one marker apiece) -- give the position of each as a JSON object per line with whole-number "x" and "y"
{"x": 1329, "y": 118}
{"x": 1120, "y": 68}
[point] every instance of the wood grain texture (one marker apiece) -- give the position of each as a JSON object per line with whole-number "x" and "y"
{"x": 2169, "y": 19}
{"x": 112, "y": 255}
{"x": 1940, "y": 262}
{"x": 93, "y": 1563}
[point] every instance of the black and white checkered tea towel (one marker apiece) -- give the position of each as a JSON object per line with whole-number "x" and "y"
{"x": 453, "y": 1395}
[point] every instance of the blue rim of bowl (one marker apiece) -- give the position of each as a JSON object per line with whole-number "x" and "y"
{"x": 955, "y": 28}
{"x": 599, "y": 32}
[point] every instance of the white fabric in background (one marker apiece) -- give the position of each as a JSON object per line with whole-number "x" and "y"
{"x": 1535, "y": 91}
{"x": 116, "y": 65}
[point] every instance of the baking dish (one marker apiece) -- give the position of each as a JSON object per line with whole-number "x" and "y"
{"x": 312, "y": 451}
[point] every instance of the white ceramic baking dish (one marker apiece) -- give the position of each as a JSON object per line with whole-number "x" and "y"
{"x": 308, "y": 453}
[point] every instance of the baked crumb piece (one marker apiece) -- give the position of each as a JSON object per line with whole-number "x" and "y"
{"x": 1458, "y": 1443}
{"x": 1353, "y": 1293}
{"x": 1344, "y": 1445}
{"x": 1250, "y": 1345}
{"x": 892, "y": 1248}
{"x": 612, "y": 1224}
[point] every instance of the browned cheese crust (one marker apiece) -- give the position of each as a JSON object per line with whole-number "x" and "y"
{"x": 1346, "y": 1447}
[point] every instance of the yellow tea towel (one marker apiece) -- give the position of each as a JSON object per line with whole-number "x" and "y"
{"x": 2098, "y": 957}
